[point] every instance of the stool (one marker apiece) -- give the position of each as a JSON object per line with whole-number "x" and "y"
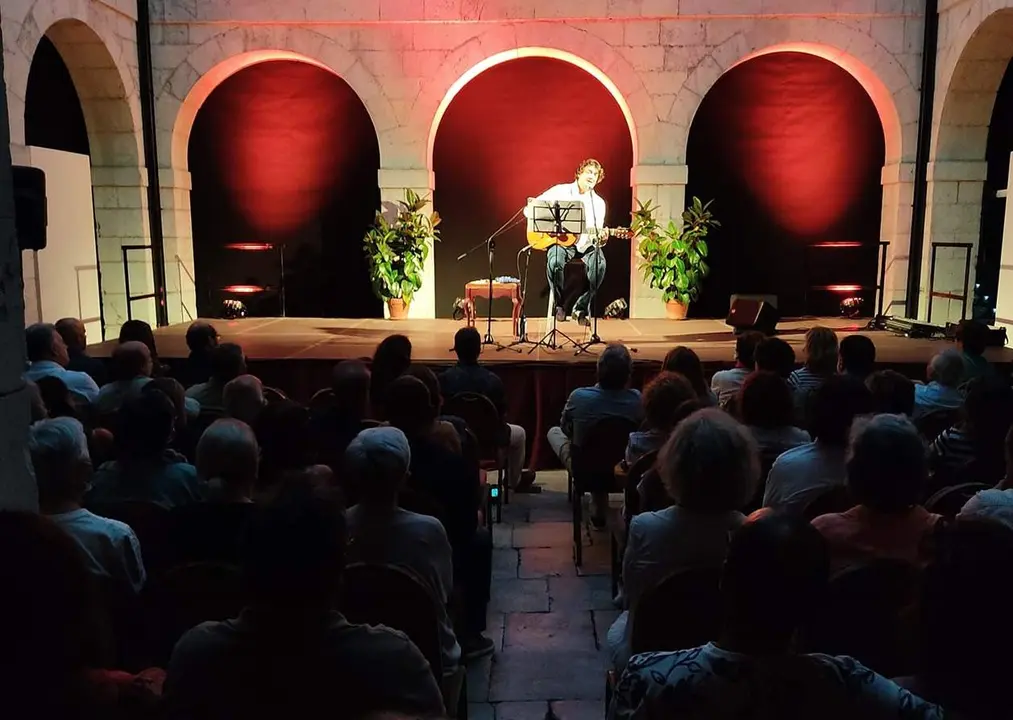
{"x": 480, "y": 289}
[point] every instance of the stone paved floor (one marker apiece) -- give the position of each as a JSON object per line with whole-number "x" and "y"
{"x": 548, "y": 619}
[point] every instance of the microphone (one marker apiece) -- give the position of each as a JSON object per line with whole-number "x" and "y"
{"x": 462, "y": 256}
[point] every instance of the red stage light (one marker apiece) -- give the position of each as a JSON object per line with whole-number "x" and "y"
{"x": 250, "y": 247}
{"x": 837, "y": 245}
{"x": 844, "y": 288}
{"x": 244, "y": 289}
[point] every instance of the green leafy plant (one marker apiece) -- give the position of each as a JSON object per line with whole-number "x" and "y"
{"x": 673, "y": 258}
{"x": 396, "y": 250}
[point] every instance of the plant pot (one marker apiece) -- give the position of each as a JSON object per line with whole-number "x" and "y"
{"x": 675, "y": 310}
{"x": 397, "y": 308}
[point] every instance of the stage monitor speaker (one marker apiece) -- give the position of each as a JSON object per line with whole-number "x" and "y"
{"x": 30, "y": 207}
{"x": 753, "y": 312}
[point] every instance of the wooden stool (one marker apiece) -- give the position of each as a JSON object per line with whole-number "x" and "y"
{"x": 480, "y": 289}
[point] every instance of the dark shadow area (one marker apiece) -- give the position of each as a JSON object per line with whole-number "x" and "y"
{"x": 284, "y": 153}
{"x": 53, "y": 115}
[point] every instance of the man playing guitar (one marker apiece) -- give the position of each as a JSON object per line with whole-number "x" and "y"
{"x": 589, "y": 173}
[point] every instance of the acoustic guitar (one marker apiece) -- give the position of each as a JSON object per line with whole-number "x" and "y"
{"x": 544, "y": 240}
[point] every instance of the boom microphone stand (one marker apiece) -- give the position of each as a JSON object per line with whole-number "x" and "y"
{"x": 594, "y": 340}
{"x": 522, "y": 324}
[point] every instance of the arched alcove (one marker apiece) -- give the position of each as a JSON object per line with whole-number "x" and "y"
{"x": 53, "y": 115}
{"x": 284, "y": 152}
{"x": 790, "y": 147}
{"x": 514, "y": 130}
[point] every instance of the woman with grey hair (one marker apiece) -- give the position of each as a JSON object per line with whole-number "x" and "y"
{"x": 709, "y": 466}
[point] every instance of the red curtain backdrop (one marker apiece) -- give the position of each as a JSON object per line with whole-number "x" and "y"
{"x": 790, "y": 148}
{"x": 285, "y": 152}
{"x": 512, "y": 132}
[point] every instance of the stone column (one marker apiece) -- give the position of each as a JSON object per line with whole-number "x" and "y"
{"x": 17, "y": 485}
{"x": 895, "y": 228}
{"x": 393, "y": 183}
{"x": 1004, "y": 301}
{"x": 665, "y": 187}
{"x": 177, "y": 241}
{"x": 954, "y": 216}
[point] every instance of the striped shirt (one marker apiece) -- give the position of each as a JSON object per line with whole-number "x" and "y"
{"x": 805, "y": 380}
{"x": 953, "y": 449}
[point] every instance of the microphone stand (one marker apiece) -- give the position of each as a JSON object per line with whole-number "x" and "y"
{"x": 522, "y": 324}
{"x": 594, "y": 339}
{"x": 490, "y": 244}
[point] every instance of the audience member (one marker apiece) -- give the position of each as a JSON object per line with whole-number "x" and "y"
{"x": 140, "y": 331}
{"x": 995, "y": 503}
{"x": 775, "y": 355}
{"x": 37, "y": 404}
{"x": 471, "y": 377}
{"x": 201, "y": 339}
{"x": 821, "y": 358}
{"x": 611, "y": 397}
{"x": 243, "y": 399}
{"x": 131, "y": 369}
{"x": 391, "y": 359}
{"x": 48, "y": 356}
{"x": 687, "y": 363}
{"x": 653, "y": 493}
{"x": 972, "y": 339}
{"x": 661, "y": 399}
{"x": 286, "y": 449}
{"x": 978, "y": 437}
{"x": 62, "y": 465}
{"x": 56, "y": 398}
{"x": 335, "y": 423}
{"x": 710, "y": 468}
{"x": 381, "y": 533}
{"x": 766, "y": 408}
{"x": 857, "y": 356}
{"x": 892, "y": 393}
{"x": 802, "y": 474}
{"x": 726, "y": 383}
{"x": 887, "y": 474}
{"x": 776, "y": 570}
{"x": 447, "y": 430}
{"x": 942, "y": 393}
{"x": 227, "y": 363}
{"x": 75, "y": 337}
{"x": 145, "y": 469}
{"x": 290, "y": 653}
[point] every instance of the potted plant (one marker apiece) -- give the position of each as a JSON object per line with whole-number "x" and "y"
{"x": 396, "y": 251}
{"x": 673, "y": 258}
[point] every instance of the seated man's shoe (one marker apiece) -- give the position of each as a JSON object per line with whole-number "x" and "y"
{"x": 560, "y": 314}
{"x": 526, "y": 484}
{"x": 582, "y": 317}
{"x": 475, "y": 647}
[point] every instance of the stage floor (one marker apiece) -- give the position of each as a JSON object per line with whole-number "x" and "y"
{"x": 265, "y": 339}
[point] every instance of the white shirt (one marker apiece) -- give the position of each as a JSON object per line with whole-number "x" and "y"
{"x": 727, "y": 383}
{"x": 594, "y": 208}
{"x": 802, "y": 474}
{"x": 78, "y": 383}
{"x": 110, "y": 546}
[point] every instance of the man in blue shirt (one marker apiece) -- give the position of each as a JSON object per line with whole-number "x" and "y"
{"x": 945, "y": 373}
{"x": 47, "y": 353}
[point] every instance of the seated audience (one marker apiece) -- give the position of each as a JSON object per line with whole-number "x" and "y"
{"x": 391, "y": 360}
{"x": 228, "y": 459}
{"x": 470, "y": 376}
{"x": 335, "y": 424}
{"x": 710, "y": 468}
{"x": 37, "y": 403}
{"x": 942, "y": 393}
{"x": 995, "y": 503}
{"x": 381, "y": 533}
{"x": 687, "y": 363}
{"x": 145, "y": 469}
{"x": 56, "y": 398}
{"x": 131, "y": 369}
{"x": 243, "y": 399}
{"x": 651, "y": 488}
{"x": 892, "y": 393}
{"x": 776, "y": 571}
{"x": 726, "y": 383}
{"x": 62, "y": 465}
{"x": 857, "y": 356}
{"x": 802, "y": 474}
{"x": 286, "y": 450}
{"x": 661, "y": 399}
{"x": 612, "y": 396}
{"x": 140, "y": 331}
{"x": 227, "y": 363}
{"x": 821, "y": 359}
{"x": 978, "y": 437}
{"x": 75, "y": 337}
{"x": 766, "y": 408}
{"x": 775, "y": 355}
{"x": 201, "y": 339}
{"x": 48, "y": 356}
{"x": 185, "y": 431}
{"x": 972, "y": 339}
{"x": 447, "y": 430}
{"x": 887, "y": 474}
{"x": 291, "y": 653}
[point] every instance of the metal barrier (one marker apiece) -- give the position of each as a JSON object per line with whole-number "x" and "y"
{"x": 153, "y": 295}
{"x": 967, "y": 248}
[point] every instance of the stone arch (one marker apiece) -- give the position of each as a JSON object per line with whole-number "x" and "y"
{"x": 566, "y": 43}
{"x": 193, "y": 80}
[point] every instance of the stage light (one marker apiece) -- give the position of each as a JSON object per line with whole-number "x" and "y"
{"x": 233, "y": 309}
{"x": 851, "y": 307}
{"x": 244, "y": 289}
{"x": 250, "y": 247}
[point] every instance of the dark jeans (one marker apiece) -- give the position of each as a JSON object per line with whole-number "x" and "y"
{"x": 594, "y": 265}
{"x": 473, "y": 575}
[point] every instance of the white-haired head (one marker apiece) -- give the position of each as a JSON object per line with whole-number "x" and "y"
{"x": 60, "y": 459}
{"x": 243, "y": 398}
{"x": 377, "y": 461}
{"x": 947, "y": 368}
{"x": 228, "y": 456}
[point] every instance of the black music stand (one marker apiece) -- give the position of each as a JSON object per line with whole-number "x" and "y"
{"x": 557, "y": 218}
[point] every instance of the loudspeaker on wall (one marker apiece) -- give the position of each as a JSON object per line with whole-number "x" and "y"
{"x": 30, "y": 207}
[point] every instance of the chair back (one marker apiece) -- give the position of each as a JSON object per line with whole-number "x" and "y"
{"x": 631, "y": 495}
{"x": 274, "y": 395}
{"x": 321, "y": 402}
{"x": 949, "y": 501}
{"x": 602, "y": 447}
{"x": 835, "y": 500}
{"x": 933, "y": 423}
{"x": 865, "y": 614}
{"x": 482, "y": 418}
{"x": 392, "y": 596}
{"x": 151, "y": 523}
{"x": 682, "y": 611}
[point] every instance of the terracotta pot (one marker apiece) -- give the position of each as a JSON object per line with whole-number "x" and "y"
{"x": 397, "y": 308}
{"x": 675, "y": 310}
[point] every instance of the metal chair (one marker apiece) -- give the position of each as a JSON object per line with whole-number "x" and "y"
{"x": 485, "y": 422}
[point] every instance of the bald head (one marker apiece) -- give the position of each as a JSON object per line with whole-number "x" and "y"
{"x": 73, "y": 333}
{"x": 228, "y": 453}
{"x": 130, "y": 360}
{"x": 243, "y": 398}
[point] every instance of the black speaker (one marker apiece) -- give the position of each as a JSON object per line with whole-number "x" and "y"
{"x": 30, "y": 207}
{"x": 753, "y": 312}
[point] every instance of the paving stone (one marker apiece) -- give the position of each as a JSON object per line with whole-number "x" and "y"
{"x": 495, "y": 627}
{"x": 559, "y": 513}
{"x": 580, "y": 593}
{"x": 479, "y": 672}
{"x": 534, "y": 710}
{"x": 481, "y": 711}
{"x": 543, "y": 535}
{"x": 549, "y": 631}
{"x": 556, "y": 675}
{"x": 546, "y": 562}
{"x": 597, "y": 558}
{"x": 502, "y": 535}
{"x": 514, "y": 513}
{"x": 516, "y": 595}
{"x": 504, "y": 563}
{"x": 576, "y": 709}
